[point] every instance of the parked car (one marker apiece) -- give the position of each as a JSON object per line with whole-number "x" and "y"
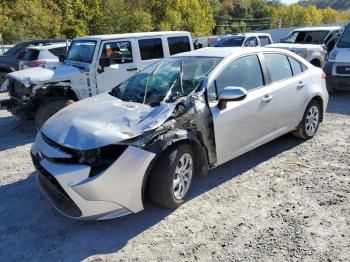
{"x": 338, "y": 65}
{"x": 9, "y": 61}
{"x": 246, "y": 39}
{"x": 177, "y": 118}
{"x": 43, "y": 55}
{"x": 206, "y": 41}
{"x": 94, "y": 65}
{"x": 311, "y": 43}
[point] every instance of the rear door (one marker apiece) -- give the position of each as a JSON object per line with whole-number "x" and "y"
{"x": 290, "y": 89}
{"x": 121, "y": 56}
{"x": 245, "y": 124}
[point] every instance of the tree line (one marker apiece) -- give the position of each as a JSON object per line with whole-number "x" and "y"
{"x": 37, "y": 19}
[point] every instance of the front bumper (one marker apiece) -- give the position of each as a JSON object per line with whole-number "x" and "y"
{"x": 114, "y": 192}
{"x": 337, "y": 78}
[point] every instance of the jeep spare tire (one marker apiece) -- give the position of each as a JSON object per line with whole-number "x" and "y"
{"x": 49, "y": 108}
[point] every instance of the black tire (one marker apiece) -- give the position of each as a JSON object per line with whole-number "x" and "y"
{"x": 316, "y": 63}
{"x": 302, "y": 131}
{"x": 162, "y": 177}
{"x": 49, "y": 108}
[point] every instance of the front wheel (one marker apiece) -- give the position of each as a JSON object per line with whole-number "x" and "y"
{"x": 310, "y": 122}
{"x": 49, "y": 108}
{"x": 171, "y": 178}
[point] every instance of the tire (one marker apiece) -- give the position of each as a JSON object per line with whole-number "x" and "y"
{"x": 316, "y": 63}
{"x": 308, "y": 126}
{"x": 49, "y": 108}
{"x": 166, "y": 172}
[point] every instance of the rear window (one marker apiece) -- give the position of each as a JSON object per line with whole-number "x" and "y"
{"x": 178, "y": 44}
{"x": 296, "y": 66}
{"x": 31, "y": 55}
{"x": 278, "y": 66}
{"x": 264, "y": 40}
{"x": 151, "y": 48}
{"x": 58, "y": 51}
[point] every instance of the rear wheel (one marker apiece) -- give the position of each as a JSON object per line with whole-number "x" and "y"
{"x": 49, "y": 108}
{"x": 316, "y": 63}
{"x": 171, "y": 178}
{"x": 310, "y": 122}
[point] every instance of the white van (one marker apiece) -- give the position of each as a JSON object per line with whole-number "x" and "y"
{"x": 94, "y": 65}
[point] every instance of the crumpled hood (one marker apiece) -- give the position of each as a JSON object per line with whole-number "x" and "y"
{"x": 103, "y": 120}
{"x": 294, "y": 46}
{"x": 36, "y": 75}
{"x": 343, "y": 55}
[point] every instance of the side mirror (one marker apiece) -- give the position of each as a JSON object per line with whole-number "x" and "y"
{"x": 231, "y": 93}
{"x": 61, "y": 58}
{"x": 104, "y": 62}
{"x": 198, "y": 46}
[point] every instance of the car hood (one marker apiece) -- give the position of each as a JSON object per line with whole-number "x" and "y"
{"x": 37, "y": 75}
{"x": 103, "y": 120}
{"x": 294, "y": 46}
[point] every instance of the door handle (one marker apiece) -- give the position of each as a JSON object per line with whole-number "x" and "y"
{"x": 131, "y": 69}
{"x": 267, "y": 99}
{"x": 301, "y": 84}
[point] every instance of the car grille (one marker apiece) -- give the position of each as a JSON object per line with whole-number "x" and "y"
{"x": 54, "y": 192}
{"x": 344, "y": 70}
{"x": 16, "y": 89}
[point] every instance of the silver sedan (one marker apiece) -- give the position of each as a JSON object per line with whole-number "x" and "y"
{"x": 180, "y": 117}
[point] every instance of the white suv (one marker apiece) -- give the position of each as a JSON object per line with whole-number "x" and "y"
{"x": 311, "y": 43}
{"x": 246, "y": 39}
{"x": 43, "y": 55}
{"x": 94, "y": 65}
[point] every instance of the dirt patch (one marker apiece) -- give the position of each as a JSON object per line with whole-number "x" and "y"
{"x": 285, "y": 201}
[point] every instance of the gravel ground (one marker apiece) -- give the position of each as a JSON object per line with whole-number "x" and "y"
{"x": 285, "y": 201}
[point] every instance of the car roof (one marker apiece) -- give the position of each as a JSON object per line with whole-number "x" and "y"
{"x": 132, "y": 35}
{"x": 47, "y": 47}
{"x": 321, "y": 28}
{"x": 229, "y": 51}
{"x": 247, "y": 35}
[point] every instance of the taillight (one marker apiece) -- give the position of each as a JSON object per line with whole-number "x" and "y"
{"x": 35, "y": 63}
{"x": 323, "y": 75}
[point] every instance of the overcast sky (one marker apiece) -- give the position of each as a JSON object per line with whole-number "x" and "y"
{"x": 289, "y": 1}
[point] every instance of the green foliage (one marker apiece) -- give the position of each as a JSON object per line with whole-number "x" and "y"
{"x": 335, "y": 4}
{"x": 33, "y": 19}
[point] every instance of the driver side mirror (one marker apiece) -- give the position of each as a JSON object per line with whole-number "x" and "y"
{"x": 231, "y": 93}
{"x": 104, "y": 62}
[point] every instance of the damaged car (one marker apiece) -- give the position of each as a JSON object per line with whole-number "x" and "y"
{"x": 98, "y": 158}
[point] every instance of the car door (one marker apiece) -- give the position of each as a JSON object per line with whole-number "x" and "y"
{"x": 122, "y": 64}
{"x": 290, "y": 89}
{"x": 245, "y": 124}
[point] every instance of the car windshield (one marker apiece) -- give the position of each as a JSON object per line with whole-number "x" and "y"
{"x": 306, "y": 37}
{"x": 13, "y": 50}
{"x": 166, "y": 81}
{"x": 81, "y": 51}
{"x": 230, "y": 41}
{"x": 344, "y": 41}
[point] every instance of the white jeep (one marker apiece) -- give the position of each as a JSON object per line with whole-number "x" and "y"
{"x": 311, "y": 43}
{"x": 94, "y": 65}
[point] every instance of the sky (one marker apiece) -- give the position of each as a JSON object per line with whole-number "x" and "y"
{"x": 289, "y": 1}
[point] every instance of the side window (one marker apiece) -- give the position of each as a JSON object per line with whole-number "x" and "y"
{"x": 278, "y": 66}
{"x": 296, "y": 66}
{"x": 264, "y": 40}
{"x": 58, "y": 51}
{"x": 117, "y": 52}
{"x": 180, "y": 44}
{"x": 251, "y": 42}
{"x": 151, "y": 48}
{"x": 244, "y": 72}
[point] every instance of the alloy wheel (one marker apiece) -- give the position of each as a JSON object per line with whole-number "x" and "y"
{"x": 183, "y": 176}
{"x": 312, "y": 121}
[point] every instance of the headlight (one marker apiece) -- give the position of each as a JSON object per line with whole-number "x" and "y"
{"x": 101, "y": 158}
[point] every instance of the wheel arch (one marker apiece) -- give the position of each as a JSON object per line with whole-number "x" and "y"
{"x": 174, "y": 138}
{"x": 320, "y": 101}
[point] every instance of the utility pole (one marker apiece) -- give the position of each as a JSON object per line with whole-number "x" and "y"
{"x": 280, "y": 23}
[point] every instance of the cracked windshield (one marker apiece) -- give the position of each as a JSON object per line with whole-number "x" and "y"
{"x": 166, "y": 81}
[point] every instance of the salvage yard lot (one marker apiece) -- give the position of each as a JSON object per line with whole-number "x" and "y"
{"x": 286, "y": 200}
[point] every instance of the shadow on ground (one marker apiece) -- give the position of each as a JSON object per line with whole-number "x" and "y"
{"x": 31, "y": 229}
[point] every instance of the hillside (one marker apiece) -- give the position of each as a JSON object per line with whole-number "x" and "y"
{"x": 336, "y": 4}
